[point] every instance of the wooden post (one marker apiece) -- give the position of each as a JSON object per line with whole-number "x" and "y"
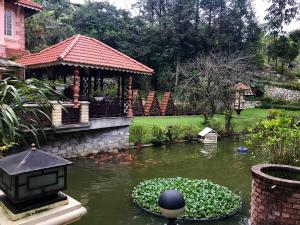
{"x": 119, "y": 88}
{"x": 130, "y": 112}
{"x": 76, "y": 88}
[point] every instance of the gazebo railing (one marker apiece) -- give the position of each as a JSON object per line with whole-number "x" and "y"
{"x": 106, "y": 108}
{"x": 70, "y": 115}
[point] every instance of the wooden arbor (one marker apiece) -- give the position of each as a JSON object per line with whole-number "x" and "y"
{"x": 167, "y": 107}
{"x": 85, "y": 63}
{"x": 152, "y": 107}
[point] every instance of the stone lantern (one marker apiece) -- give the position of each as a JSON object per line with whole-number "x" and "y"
{"x": 32, "y": 179}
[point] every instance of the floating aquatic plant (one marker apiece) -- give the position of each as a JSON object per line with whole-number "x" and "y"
{"x": 204, "y": 199}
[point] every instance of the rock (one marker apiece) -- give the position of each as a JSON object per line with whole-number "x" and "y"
{"x": 54, "y": 149}
{"x": 115, "y": 151}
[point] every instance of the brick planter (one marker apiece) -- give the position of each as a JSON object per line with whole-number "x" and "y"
{"x": 275, "y": 201}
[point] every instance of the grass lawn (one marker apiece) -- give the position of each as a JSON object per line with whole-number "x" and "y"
{"x": 247, "y": 119}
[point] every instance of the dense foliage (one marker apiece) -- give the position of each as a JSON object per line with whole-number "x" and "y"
{"x": 204, "y": 199}
{"x": 14, "y": 94}
{"x": 161, "y": 34}
{"x": 278, "y": 138}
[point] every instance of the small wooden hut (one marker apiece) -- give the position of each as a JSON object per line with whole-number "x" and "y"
{"x": 152, "y": 107}
{"x": 208, "y": 136}
{"x": 137, "y": 105}
{"x": 167, "y": 107}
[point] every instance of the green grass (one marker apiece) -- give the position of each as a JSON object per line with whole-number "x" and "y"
{"x": 247, "y": 119}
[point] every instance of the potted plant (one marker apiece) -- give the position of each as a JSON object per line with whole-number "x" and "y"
{"x": 99, "y": 95}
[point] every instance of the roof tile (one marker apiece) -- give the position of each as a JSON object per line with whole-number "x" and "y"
{"x": 29, "y": 4}
{"x": 83, "y": 50}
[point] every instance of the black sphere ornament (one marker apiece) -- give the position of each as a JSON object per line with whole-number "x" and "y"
{"x": 171, "y": 204}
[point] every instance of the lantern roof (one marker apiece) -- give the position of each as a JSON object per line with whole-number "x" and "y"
{"x": 29, "y": 161}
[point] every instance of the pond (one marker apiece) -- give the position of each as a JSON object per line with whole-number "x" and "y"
{"x": 105, "y": 189}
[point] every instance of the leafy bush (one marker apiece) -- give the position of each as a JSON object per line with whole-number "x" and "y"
{"x": 173, "y": 132}
{"x": 273, "y": 113}
{"x": 278, "y": 139}
{"x": 204, "y": 199}
{"x": 138, "y": 132}
{"x": 158, "y": 135}
{"x": 15, "y": 93}
{"x": 217, "y": 126}
{"x": 190, "y": 132}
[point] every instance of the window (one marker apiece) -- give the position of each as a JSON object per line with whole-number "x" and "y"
{"x": 8, "y": 27}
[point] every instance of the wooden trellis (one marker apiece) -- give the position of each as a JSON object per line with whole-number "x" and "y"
{"x": 137, "y": 106}
{"x": 167, "y": 107}
{"x": 152, "y": 107}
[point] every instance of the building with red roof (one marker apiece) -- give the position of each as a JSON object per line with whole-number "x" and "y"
{"x": 86, "y": 66}
{"x": 12, "y": 30}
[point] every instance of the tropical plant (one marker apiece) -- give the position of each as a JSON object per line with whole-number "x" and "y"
{"x": 278, "y": 139}
{"x": 173, "y": 132}
{"x": 158, "y": 135}
{"x": 204, "y": 199}
{"x": 138, "y": 132}
{"x": 16, "y": 119}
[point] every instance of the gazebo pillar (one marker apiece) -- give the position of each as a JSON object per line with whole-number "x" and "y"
{"x": 130, "y": 112}
{"x": 76, "y": 88}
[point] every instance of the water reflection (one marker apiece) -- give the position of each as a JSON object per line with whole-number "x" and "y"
{"x": 105, "y": 189}
{"x": 209, "y": 150}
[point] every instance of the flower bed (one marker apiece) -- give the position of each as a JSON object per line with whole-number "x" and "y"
{"x": 204, "y": 199}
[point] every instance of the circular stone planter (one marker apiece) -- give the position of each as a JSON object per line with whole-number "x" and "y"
{"x": 204, "y": 200}
{"x": 275, "y": 197}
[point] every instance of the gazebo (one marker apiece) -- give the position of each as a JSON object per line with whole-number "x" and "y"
{"x": 89, "y": 72}
{"x": 240, "y": 91}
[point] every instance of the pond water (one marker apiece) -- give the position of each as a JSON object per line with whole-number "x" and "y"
{"x": 105, "y": 189}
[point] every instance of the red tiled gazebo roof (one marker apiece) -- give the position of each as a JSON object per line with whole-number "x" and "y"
{"x": 84, "y": 51}
{"x": 240, "y": 86}
{"x": 29, "y": 4}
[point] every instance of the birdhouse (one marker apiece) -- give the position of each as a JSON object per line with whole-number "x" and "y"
{"x": 32, "y": 176}
{"x": 208, "y": 136}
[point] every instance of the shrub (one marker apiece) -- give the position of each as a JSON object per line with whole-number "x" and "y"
{"x": 158, "y": 135}
{"x": 278, "y": 139}
{"x": 217, "y": 126}
{"x": 204, "y": 199}
{"x": 138, "y": 132}
{"x": 191, "y": 132}
{"x": 173, "y": 132}
{"x": 273, "y": 113}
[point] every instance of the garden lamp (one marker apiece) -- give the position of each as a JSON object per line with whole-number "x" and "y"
{"x": 32, "y": 179}
{"x": 171, "y": 204}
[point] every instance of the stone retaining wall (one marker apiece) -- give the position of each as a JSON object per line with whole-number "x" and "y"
{"x": 251, "y": 104}
{"x": 83, "y": 143}
{"x": 274, "y": 201}
{"x": 282, "y": 93}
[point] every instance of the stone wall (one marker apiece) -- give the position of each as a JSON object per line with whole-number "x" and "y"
{"x": 83, "y": 143}
{"x": 282, "y": 93}
{"x": 251, "y": 104}
{"x": 274, "y": 200}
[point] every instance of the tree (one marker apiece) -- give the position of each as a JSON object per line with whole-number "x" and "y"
{"x": 209, "y": 79}
{"x": 279, "y": 13}
{"x": 50, "y": 26}
{"x": 295, "y": 36}
{"x": 284, "y": 49}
